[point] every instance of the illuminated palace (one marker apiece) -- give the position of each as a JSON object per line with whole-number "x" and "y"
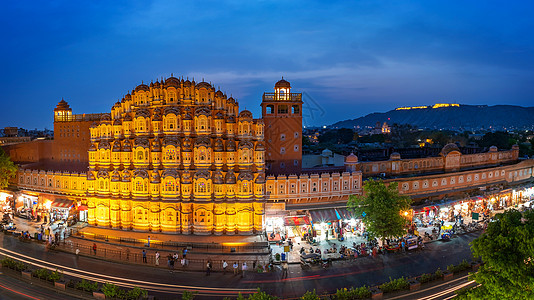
{"x": 177, "y": 156}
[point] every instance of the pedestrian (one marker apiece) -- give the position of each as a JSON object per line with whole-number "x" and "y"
{"x": 148, "y": 242}
{"x": 77, "y": 252}
{"x": 224, "y": 266}
{"x": 64, "y": 236}
{"x": 235, "y": 266}
{"x": 285, "y": 267}
{"x": 183, "y": 262}
{"x": 175, "y": 256}
{"x": 184, "y": 252}
{"x": 208, "y": 268}
{"x": 171, "y": 258}
{"x": 403, "y": 245}
{"x": 94, "y": 248}
{"x": 144, "y": 256}
{"x": 157, "y": 258}
{"x": 243, "y": 269}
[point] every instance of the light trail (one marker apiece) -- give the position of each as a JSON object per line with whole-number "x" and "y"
{"x": 124, "y": 282}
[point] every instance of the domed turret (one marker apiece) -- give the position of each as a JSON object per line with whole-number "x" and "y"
{"x": 282, "y": 83}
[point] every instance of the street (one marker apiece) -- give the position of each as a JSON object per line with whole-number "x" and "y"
{"x": 165, "y": 285}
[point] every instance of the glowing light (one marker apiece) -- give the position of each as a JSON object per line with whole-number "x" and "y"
{"x": 48, "y": 204}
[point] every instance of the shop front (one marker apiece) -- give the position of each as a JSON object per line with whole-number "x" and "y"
{"x": 26, "y": 205}
{"x": 6, "y": 201}
{"x": 334, "y": 223}
{"x": 61, "y": 209}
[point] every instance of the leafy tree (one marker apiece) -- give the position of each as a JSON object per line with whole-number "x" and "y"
{"x": 381, "y": 207}
{"x": 8, "y": 169}
{"x": 502, "y": 140}
{"x": 507, "y": 250}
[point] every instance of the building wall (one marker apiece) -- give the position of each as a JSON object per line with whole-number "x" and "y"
{"x": 72, "y": 140}
{"x": 52, "y": 182}
{"x": 313, "y": 189}
{"x": 30, "y": 152}
{"x": 420, "y": 186}
{"x": 282, "y": 114}
{"x": 452, "y": 161}
{"x": 177, "y": 157}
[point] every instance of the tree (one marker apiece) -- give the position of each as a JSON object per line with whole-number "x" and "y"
{"x": 507, "y": 250}
{"x": 381, "y": 207}
{"x": 8, "y": 169}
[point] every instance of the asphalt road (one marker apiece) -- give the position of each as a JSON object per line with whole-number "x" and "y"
{"x": 166, "y": 285}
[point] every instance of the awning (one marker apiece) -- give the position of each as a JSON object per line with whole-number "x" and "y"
{"x": 62, "y": 203}
{"x": 296, "y": 220}
{"x": 82, "y": 208}
{"x": 323, "y": 215}
{"x": 344, "y": 213}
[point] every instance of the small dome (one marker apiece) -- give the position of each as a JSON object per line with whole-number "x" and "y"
{"x": 115, "y": 176}
{"x": 260, "y": 147}
{"x": 230, "y": 177}
{"x": 219, "y": 94}
{"x": 203, "y": 84}
{"x": 142, "y": 87}
{"x": 156, "y": 145}
{"x": 395, "y": 156}
{"x": 116, "y": 147}
{"x": 261, "y": 178}
{"x": 326, "y": 153}
{"x": 231, "y": 100}
{"x": 245, "y": 175}
{"x": 282, "y": 83}
{"x": 127, "y": 118}
{"x": 493, "y": 149}
{"x": 245, "y": 115}
{"x": 449, "y": 148}
{"x": 352, "y": 158}
{"x": 155, "y": 177}
{"x": 127, "y": 147}
{"x": 230, "y": 146}
{"x": 126, "y": 175}
{"x": 172, "y": 81}
{"x": 62, "y": 105}
{"x": 117, "y": 122}
{"x": 218, "y": 146}
{"x": 217, "y": 177}
{"x": 187, "y": 83}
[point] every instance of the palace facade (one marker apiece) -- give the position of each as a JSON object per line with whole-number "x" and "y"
{"x": 179, "y": 157}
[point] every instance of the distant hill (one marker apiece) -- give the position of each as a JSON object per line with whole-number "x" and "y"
{"x": 450, "y": 116}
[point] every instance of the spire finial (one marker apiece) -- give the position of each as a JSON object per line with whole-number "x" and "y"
{"x": 172, "y": 74}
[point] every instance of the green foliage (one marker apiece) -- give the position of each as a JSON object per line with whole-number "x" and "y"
{"x": 310, "y": 295}
{"x": 277, "y": 256}
{"x": 395, "y": 285}
{"x": 187, "y": 295}
{"x": 259, "y": 295}
{"x": 87, "y": 285}
{"x": 13, "y": 264}
{"x": 506, "y": 248}
{"x": 362, "y": 292}
{"x": 382, "y": 206}
{"x": 135, "y": 293}
{"x": 41, "y": 273}
{"x": 110, "y": 290}
{"x": 438, "y": 274}
{"x": 424, "y": 278}
{"x": 55, "y": 276}
{"x": 464, "y": 265}
{"x": 8, "y": 169}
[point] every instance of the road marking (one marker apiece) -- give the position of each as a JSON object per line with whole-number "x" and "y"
{"x": 121, "y": 281}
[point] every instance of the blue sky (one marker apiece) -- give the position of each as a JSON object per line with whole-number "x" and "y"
{"x": 350, "y": 58}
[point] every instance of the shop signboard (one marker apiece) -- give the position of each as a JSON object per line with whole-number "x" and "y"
{"x": 286, "y": 248}
{"x": 474, "y": 216}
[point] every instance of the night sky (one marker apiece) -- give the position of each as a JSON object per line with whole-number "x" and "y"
{"x": 350, "y": 58}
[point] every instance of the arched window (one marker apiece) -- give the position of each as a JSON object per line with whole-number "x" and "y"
{"x": 140, "y": 155}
